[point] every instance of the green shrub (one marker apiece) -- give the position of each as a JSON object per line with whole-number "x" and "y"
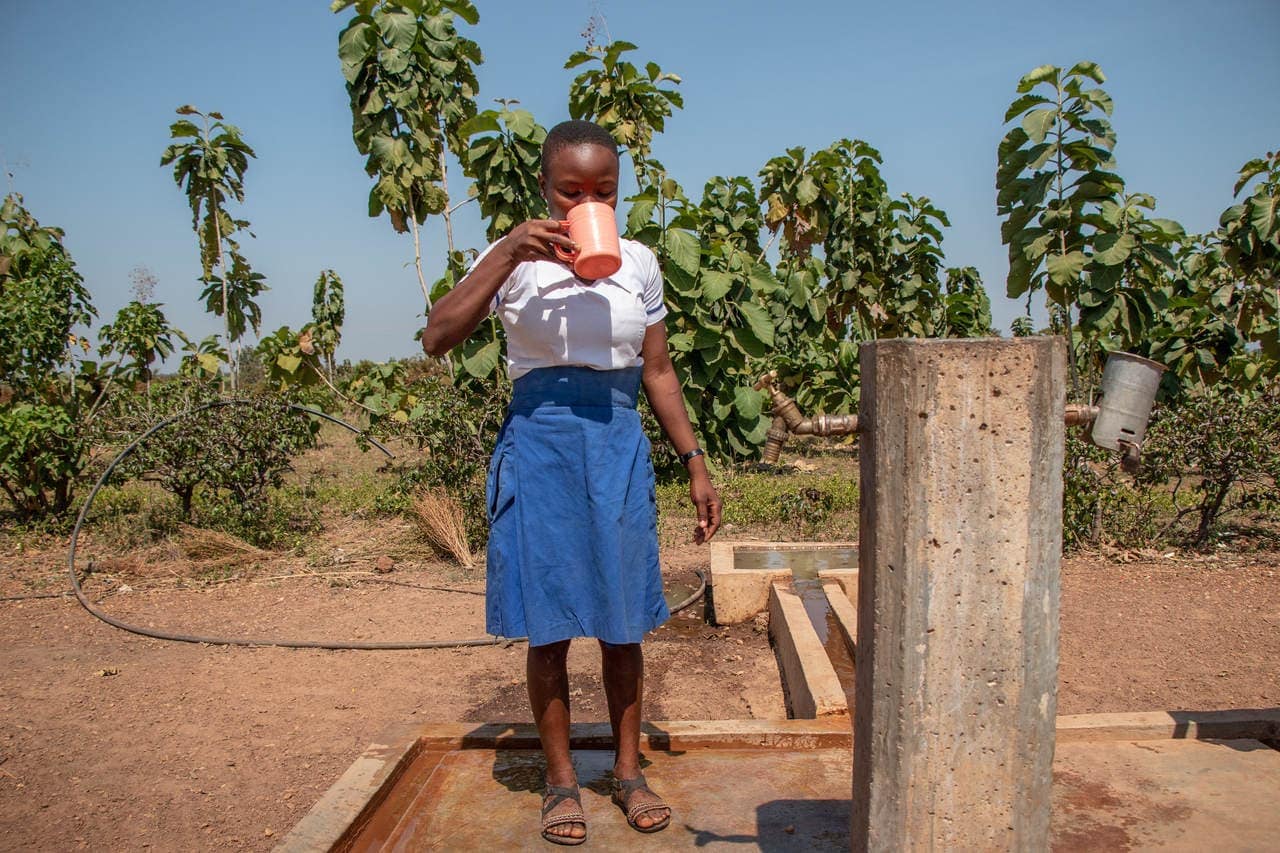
{"x": 281, "y": 518}
{"x": 801, "y": 506}
{"x": 1217, "y": 452}
{"x": 221, "y": 463}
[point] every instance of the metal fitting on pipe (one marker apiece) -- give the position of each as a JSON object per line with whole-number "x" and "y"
{"x": 787, "y": 421}
{"x": 1077, "y": 416}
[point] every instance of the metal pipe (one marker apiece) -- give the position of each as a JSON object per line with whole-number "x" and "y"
{"x": 1075, "y": 415}
{"x": 787, "y": 420}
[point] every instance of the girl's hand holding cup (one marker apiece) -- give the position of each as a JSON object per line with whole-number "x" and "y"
{"x": 534, "y": 240}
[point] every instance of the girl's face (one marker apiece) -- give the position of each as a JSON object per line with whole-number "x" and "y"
{"x": 579, "y": 173}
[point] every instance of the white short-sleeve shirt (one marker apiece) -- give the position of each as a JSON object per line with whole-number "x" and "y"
{"x": 553, "y": 318}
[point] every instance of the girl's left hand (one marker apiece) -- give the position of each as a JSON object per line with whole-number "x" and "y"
{"x": 707, "y": 501}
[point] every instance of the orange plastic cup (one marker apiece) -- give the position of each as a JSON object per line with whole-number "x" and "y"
{"x": 593, "y": 227}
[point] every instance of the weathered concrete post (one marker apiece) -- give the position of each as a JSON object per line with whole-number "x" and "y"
{"x": 961, "y": 536}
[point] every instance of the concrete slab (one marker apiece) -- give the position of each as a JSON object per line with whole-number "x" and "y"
{"x": 1190, "y": 795}
{"x": 1119, "y": 795}
{"x": 808, "y": 677}
{"x": 844, "y": 609}
{"x": 847, "y": 580}
{"x": 738, "y": 594}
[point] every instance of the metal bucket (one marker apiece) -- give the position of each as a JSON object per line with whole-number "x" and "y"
{"x": 1129, "y": 385}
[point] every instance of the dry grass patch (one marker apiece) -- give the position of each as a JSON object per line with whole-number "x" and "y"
{"x": 440, "y": 521}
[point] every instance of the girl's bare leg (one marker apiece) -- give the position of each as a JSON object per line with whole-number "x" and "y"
{"x": 623, "y": 668}
{"x": 548, "y": 678}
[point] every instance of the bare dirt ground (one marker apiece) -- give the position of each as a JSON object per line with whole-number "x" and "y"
{"x": 114, "y": 741}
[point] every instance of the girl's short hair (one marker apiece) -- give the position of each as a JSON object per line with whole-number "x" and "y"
{"x": 568, "y": 134}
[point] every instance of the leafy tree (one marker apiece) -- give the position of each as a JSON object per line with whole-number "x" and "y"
{"x": 967, "y": 308}
{"x": 715, "y": 284}
{"x": 209, "y": 164}
{"x": 328, "y": 312}
{"x": 1220, "y": 320}
{"x": 1249, "y": 242}
{"x": 631, "y": 105}
{"x": 1053, "y": 174}
{"x": 140, "y": 333}
{"x": 48, "y": 392}
{"x": 1232, "y": 279}
{"x": 44, "y": 299}
{"x": 904, "y": 297}
{"x": 503, "y": 159}
{"x": 879, "y": 274}
{"x": 456, "y": 424}
{"x": 412, "y": 84}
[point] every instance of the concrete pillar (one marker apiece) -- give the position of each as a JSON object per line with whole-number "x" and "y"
{"x": 960, "y": 545}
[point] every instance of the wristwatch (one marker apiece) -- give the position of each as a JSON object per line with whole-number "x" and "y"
{"x": 685, "y": 457}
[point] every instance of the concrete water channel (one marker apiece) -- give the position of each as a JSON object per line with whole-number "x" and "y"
{"x": 1157, "y": 781}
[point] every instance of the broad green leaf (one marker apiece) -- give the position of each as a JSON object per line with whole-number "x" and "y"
{"x": 355, "y": 43}
{"x": 758, "y": 320}
{"x": 1263, "y": 219}
{"x": 522, "y": 123}
{"x": 748, "y": 342}
{"x": 715, "y": 285}
{"x": 1020, "y": 105}
{"x": 756, "y": 435}
{"x": 1113, "y": 249}
{"x": 1043, "y": 74}
{"x": 681, "y": 341}
{"x": 1247, "y": 172}
{"x": 288, "y": 363}
{"x": 1088, "y": 69}
{"x": 464, "y": 9}
{"x": 483, "y": 361}
{"x": 400, "y": 29}
{"x": 708, "y": 337}
{"x": 762, "y": 280}
{"x": 684, "y": 250}
{"x": 485, "y": 122}
{"x": 1064, "y": 269}
{"x": 1038, "y": 246}
{"x": 748, "y": 402}
{"x": 1037, "y": 124}
{"x": 807, "y": 191}
{"x": 640, "y": 215}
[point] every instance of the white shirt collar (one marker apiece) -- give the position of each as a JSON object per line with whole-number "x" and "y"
{"x": 548, "y": 275}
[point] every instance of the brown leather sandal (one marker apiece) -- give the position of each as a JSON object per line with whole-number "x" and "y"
{"x": 622, "y": 791}
{"x": 553, "y": 797}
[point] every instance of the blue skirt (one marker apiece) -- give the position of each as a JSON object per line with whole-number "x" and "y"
{"x": 573, "y": 539}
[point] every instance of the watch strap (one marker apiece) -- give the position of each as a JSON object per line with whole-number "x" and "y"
{"x": 685, "y": 457}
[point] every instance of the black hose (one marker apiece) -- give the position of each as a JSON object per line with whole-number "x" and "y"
{"x": 696, "y": 594}
{"x": 237, "y": 641}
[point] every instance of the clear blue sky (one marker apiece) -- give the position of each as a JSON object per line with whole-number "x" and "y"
{"x": 90, "y": 89}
